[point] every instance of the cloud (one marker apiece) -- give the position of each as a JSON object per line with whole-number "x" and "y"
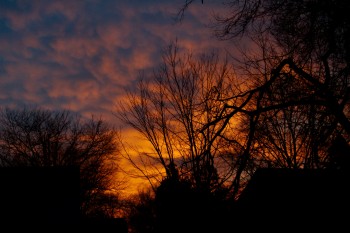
{"x": 80, "y": 55}
{"x": 52, "y": 50}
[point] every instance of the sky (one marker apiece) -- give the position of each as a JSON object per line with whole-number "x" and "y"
{"x": 81, "y": 55}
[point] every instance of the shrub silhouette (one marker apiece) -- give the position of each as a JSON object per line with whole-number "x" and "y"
{"x": 179, "y": 207}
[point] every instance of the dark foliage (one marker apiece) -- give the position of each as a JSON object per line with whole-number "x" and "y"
{"x": 43, "y": 138}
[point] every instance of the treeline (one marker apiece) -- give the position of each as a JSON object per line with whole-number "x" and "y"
{"x": 35, "y": 137}
{"x": 281, "y": 102}
{"x": 211, "y": 123}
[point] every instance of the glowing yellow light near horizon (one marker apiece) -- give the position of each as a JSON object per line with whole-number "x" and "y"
{"x": 135, "y": 145}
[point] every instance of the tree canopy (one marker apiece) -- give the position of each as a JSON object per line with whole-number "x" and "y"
{"x": 284, "y": 103}
{"x": 37, "y": 137}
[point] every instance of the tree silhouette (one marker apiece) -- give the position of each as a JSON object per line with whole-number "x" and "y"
{"x": 37, "y": 198}
{"x": 285, "y": 105}
{"x": 296, "y": 100}
{"x": 34, "y": 137}
{"x": 170, "y": 112}
{"x": 175, "y": 206}
{"x": 141, "y": 212}
{"x": 179, "y": 207}
{"x": 283, "y": 199}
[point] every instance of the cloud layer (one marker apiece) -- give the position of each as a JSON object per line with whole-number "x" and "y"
{"x": 79, "y": 55}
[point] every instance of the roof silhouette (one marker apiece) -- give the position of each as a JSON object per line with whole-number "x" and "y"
{"x": 294, "y": 199}
{"x": 46, "y": 198}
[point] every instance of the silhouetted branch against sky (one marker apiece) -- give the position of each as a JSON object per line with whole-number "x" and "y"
{"x": 82, "y": 55}
{"x": 36, "y": 137}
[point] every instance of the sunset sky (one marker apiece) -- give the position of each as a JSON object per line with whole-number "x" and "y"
{"x": 80, "y": 55}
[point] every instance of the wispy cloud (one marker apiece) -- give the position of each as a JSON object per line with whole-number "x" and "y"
{"x": 81, "y": 54}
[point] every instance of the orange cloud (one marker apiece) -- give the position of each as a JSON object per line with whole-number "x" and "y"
{"x": 80, "y": 55}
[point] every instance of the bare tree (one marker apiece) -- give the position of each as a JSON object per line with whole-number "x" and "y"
{"x": 171, "y": 110}
{"x": 42, "y": 138}
{"x": 295, "y": 104}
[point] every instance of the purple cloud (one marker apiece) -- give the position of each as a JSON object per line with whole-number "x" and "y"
{"x": 81, "y": 54}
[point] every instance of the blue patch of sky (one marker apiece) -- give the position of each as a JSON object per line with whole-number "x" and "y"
{"x": 101, "y": 11}
{"x": 45, "y": 97}
{"x": 82, "y": 74}
{"x": 54, "y": 19}
{"x": 48, "y": 22}
{"x": 36, "y": 53}
{"x": 5, "y": 28}
{"x": 2, "y": 65}
{"x": 15, "y": 5}
{"x": 47, "y": 40}
{"x": 158, "y": 17}
{"x": 10, "y": 87}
